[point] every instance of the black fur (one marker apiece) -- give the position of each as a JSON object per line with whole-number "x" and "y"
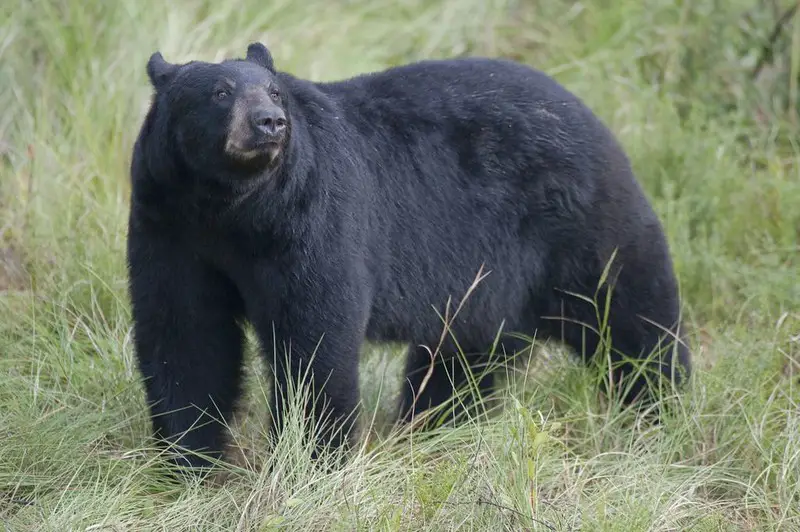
{"x": 159, "y": 71}
{"x": 259, "y": 54}
{"x": 392, "y": 190}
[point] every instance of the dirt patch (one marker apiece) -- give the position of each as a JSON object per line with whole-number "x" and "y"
{"x": 13, "y": 275}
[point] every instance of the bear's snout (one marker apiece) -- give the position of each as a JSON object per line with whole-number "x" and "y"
{"x": 269, "y": 122}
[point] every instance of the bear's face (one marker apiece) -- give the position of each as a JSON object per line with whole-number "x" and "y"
{"x": 227, "y": 116}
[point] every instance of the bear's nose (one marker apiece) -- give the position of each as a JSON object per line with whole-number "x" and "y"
{"x": 269, "y": 122}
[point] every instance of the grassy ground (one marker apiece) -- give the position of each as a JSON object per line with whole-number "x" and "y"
{"x": 705, "y": 112}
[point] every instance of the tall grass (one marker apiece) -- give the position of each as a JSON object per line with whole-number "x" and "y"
{"x": 714, "y": 145}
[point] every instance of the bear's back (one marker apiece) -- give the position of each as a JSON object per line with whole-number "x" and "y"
{"x": 434, "y": 80}
{"x": 483, "y": 104}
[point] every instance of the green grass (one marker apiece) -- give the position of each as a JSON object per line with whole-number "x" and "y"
{"x": 715, "y": 149}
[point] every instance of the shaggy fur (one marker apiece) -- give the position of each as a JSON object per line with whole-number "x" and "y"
{"x": 383, "y": 196}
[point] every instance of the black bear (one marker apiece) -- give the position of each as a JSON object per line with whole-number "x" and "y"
{"x": 325, "y": 214}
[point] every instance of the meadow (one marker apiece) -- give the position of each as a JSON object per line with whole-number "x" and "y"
{"x": 702, "y": 94}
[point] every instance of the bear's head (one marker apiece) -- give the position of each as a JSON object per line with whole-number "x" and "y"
{"x": 224, "y": 117}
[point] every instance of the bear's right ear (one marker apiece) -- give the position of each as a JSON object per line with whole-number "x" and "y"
{"x": 257, "y": 53}
{"x": 159, "y": 71}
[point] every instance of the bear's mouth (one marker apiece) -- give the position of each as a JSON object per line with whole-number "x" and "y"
{"x": 271, "y": 147}
{"x": 268, "y": 144}
{"x": 267, "y": 150}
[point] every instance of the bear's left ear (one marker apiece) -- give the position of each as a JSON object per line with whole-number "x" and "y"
{"x": 257, "y": 53}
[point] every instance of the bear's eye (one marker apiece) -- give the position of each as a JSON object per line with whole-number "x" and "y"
{"x": 274, "y": 94}
{"x": 220, "y": 94}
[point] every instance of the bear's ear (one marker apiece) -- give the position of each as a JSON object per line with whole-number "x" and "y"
{"x": 257, "y": 53}
{"x": 159, "y": 71}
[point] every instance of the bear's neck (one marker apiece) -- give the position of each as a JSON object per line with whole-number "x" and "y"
{"x": 279, "y": 203}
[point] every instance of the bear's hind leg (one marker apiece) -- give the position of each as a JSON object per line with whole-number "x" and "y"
{"x": 646, "y": 351}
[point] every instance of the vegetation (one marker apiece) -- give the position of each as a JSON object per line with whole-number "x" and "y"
{"x": 703, "y": 95}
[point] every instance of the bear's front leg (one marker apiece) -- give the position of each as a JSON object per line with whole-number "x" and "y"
{"x": 329, "y": 377}
{"x": 188, "y": 343}
{"x": 315, "y": 337}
